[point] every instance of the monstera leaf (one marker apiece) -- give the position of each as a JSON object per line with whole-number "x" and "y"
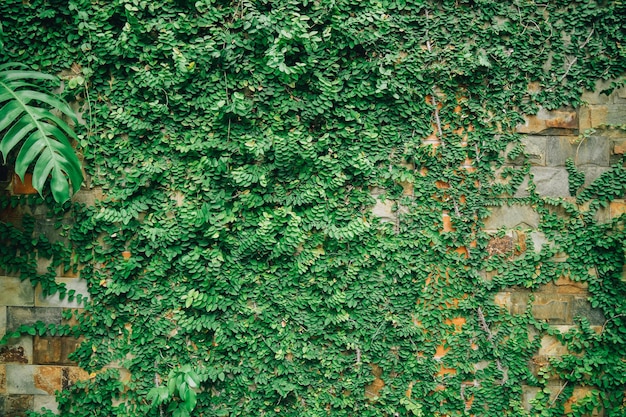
{"x": 26, "y": 119}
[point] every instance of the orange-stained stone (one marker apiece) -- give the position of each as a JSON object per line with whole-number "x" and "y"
{"x": 458, "y": 323}
{"x": 446, "y": 371}
{"x": 48, "y": 378}
{"x": 372, "y": 390}
{"x": 441, "y": 351}
{"x": 447, "y": 222}
{"x": 75, "y": 374}
{"x": 617, "y": 208}
{"x": 462, "y": 250}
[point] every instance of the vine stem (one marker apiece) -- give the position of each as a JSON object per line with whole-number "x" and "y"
{"x": 487, "y": 330}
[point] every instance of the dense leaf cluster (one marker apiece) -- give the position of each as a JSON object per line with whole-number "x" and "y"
{"x": 239, "y": 145}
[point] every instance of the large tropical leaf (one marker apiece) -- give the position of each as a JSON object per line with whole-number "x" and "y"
{"x": 26, "y": 119}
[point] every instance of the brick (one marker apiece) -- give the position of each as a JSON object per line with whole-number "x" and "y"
{"x": 33, "y": 379}
{"x": 17, "y": 316}
{"x": 17, "y": 405}
{"x": 16, "y": 292}
{"x": 551, "y": 182}
{"x": 50, "y": 350}
{"x": 512, "y": 216}
{"x": 78, "y": 285}
{"x": 47, "y": 402}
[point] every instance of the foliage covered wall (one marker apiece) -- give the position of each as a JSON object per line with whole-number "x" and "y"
{"x": 238, "y": 145}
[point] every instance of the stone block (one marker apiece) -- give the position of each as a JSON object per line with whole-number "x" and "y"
{"x": 73, "y": 374}
{"x": 503, "y": 299}
{"x": 594, "y": 150}
{"x": 3, "y": 321}
{"x": 550, "y": 121}
{"x": 617, "y": 208}
{"x": 595, "y": 96}
{"x": 553, "y": 308}
{"x": 50, "y": 350}
{"x": 551, "y": 182}
{"x": 528, "y": 395}
{"x": 17, "y": 405}
{"x": 17, "y": 316}
{"x": 592, "y": 173}
{"x": 581, "y": 307}
{"x": 19, "y": 350}
{"x": 551, "y": 347}
{"x": 3, "y": 380}
{"x": 47, "y": 402}
{"x": 78, "y": 285}
{"x": 384, "y": 210}
{"x": 33, "y": 379}
{"x": 510, "y": 217}
{"x": 535, "y": 149}
{"x": 519, "y": 301}
{"x": 564, "y": 285}
{"x": 619, "y": 146}
{"x": 592, "y": 116}
{"x": 16, "y": 292}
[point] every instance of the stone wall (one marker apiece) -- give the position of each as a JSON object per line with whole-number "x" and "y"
{"x": 33, "y": 368}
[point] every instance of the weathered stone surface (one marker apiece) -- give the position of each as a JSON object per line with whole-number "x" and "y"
{"x": 3, "y": 380}
{"x": 535, "y": 149}
{"x": 619, "y": 146}
{"x": 551, "y": 182}
{"x": 594, "y": 150}
{"x": 503, "y": 299}
{"x": 384, "y": 210}
{"x": 553, "y": 308}
{"x": 550, "y": 346}
{"x": 617, "y": 208}
{"x": 33, "y": 379}
{"x": 54, "y": 350}
{"x": 17, "y": 316}
{"x": 582, "y": 307}
{"x": 16, "y": 292}
{"x": 17, "y": 405}
{"x": 511, "y": 217}
{"x": 565, "y": 285}
{"x": 3, "y": 321}
{"x": 19, "y": 350}
{"x": 73, "y": 374}
{"x": 595, "y": 96}
{"x": 592, "y": 173}
{"x": 78, "y": 285}
{"x": 547, "y": 121}
{"x": 48, "y": 402}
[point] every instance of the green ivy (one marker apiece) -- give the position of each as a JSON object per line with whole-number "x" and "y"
{"x": 239, "y": 145}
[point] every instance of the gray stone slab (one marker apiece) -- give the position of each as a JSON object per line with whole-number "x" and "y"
{"x": 21, "y": 380}
{"x": 551, "y": 182}
{"x": 594, "y": 150}
{"x": 17, "y": 316}
{"x": 78, "y": 285}
{"x": 535, "y": 149}
{"x": 582, "y": 307}
{"x": 15, "y": 292}
{"x": 592, "y": 174}
{"x": 512, "y": 216}
{"x": 48, "y": 402}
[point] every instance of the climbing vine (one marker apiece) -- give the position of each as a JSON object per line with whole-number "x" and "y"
{"x": 240, "y": 147}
